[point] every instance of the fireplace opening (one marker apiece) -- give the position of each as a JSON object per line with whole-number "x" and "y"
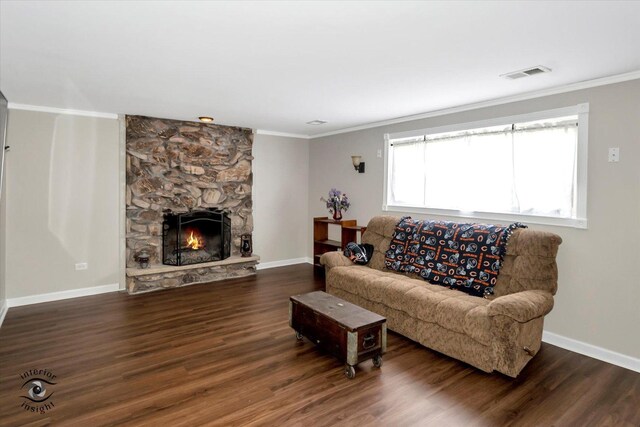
{"x": 195, "y": 237}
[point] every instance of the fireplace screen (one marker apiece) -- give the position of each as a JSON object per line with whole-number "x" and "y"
{"x": 195, "y": 237}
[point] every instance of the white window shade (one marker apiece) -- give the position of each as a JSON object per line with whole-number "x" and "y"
{"x": 525, "y": 170}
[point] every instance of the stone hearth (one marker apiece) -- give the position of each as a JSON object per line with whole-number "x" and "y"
{"x": 182, "y": 166}
{"x": 168, "y": 276}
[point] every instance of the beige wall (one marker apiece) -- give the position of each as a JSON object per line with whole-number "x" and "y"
{"x": 280, "y": 189}
{"x": 599, "y": 292}
{"x": 62, "y": 202}
{"x": 3, "y": 241}
{"x": 3, "y": 226}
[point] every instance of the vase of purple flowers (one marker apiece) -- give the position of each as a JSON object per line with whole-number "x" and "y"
{"x": 336, "y": 203}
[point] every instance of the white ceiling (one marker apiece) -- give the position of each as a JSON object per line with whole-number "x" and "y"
{"x": 277, "y": 65}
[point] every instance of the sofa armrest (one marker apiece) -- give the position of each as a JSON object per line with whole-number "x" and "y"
{"x": 334, "y": 259}
{"x": 522, "y": 306}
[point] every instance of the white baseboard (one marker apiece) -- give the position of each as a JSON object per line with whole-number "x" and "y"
{"x": 590, "y": 350}
{"x": 56, "y": 296}
{"x": 284, "y": 262}
{"x": 3, "y": 310}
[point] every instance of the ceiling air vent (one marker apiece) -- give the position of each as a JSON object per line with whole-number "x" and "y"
{"x": 317, "y": 122}
{"x": 526, "y": 72}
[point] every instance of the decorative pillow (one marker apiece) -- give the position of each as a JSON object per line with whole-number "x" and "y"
{"x": 359, "y": 254}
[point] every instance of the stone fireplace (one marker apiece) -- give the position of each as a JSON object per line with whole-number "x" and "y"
{"x": 184, "y": 178}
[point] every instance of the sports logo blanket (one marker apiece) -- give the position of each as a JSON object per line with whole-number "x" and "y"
{"x": 466, "y": 257}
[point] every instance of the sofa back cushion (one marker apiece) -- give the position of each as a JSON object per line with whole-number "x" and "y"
{"x": 379, "y": 233}
{"x": 399, "y": 252}
{"x": 530, "y": 261}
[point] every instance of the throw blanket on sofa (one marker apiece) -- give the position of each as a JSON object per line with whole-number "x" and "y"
{"x": 466, "y": 257}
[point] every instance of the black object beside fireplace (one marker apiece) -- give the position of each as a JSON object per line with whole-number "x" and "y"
{"x": 195, "y": 237}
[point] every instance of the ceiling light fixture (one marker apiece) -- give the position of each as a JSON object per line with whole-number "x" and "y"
{"x": 527, "y": 72}
{"x": 205, "y": 119}
{"x": 317, "y": 122}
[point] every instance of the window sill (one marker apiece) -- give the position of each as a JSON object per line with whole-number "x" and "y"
{"x": 580, "y": 223}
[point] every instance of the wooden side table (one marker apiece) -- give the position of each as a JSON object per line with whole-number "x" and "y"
{"x": 349, "y": 230}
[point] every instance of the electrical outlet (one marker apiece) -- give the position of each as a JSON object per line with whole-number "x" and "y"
{"x": 614, "y": 154}
{"x": 82, "y": 266}
{"x": 379, "y": 154}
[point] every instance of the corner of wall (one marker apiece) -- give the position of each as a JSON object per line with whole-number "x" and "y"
{"x": 281, "y": 190}
{"x": 122, "y": 201}
{"x": 4, "y": 308}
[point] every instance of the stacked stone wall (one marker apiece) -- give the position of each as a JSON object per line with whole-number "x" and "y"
{"x": 181, "y": 166}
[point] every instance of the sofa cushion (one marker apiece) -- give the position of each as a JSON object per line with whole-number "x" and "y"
{"x": 379, "y": 232}
{"x": 422, "y": 301}
{"x": 451, "y": 309}
{"x": 353, "y": 278}
{"x": 379, "y": 286}
{"x": 452, "y": 312}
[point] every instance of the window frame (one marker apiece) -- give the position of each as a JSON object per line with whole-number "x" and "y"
{"x": 580, "y": 221}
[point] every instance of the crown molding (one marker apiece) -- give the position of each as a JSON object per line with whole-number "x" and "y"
{"x": 619, "y": 78}
{"x": 54, "y": 110}
{"x": 285, "y": 134}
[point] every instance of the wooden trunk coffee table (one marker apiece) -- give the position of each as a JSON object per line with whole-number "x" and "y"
{"x": 347, "y": 331}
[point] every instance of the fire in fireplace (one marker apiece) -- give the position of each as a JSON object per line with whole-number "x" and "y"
{"x": 195, "y": 237}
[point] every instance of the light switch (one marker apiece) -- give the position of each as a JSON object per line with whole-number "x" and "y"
{"x": 614, "y": 154}
{"x": 379, "y": 154}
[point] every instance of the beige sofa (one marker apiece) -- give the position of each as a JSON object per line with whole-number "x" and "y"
{"x": 501, "y": 333}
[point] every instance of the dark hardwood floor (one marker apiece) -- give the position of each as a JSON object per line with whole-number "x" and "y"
{"x": 223, "y": 354}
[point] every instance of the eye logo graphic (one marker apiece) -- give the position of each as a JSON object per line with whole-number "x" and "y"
{"x": 37, "y": 390}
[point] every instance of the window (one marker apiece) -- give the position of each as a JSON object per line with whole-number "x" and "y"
{"x": 529, "y": 168}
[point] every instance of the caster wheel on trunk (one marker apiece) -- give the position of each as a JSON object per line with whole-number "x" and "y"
{"x": 377, "y": 361}
{"x": 350, "y": 372}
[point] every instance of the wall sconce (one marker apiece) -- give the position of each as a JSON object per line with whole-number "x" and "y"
{"x": 357, "y": 164}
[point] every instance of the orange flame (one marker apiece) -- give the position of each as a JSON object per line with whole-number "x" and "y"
{"x": 194, "y": 242}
